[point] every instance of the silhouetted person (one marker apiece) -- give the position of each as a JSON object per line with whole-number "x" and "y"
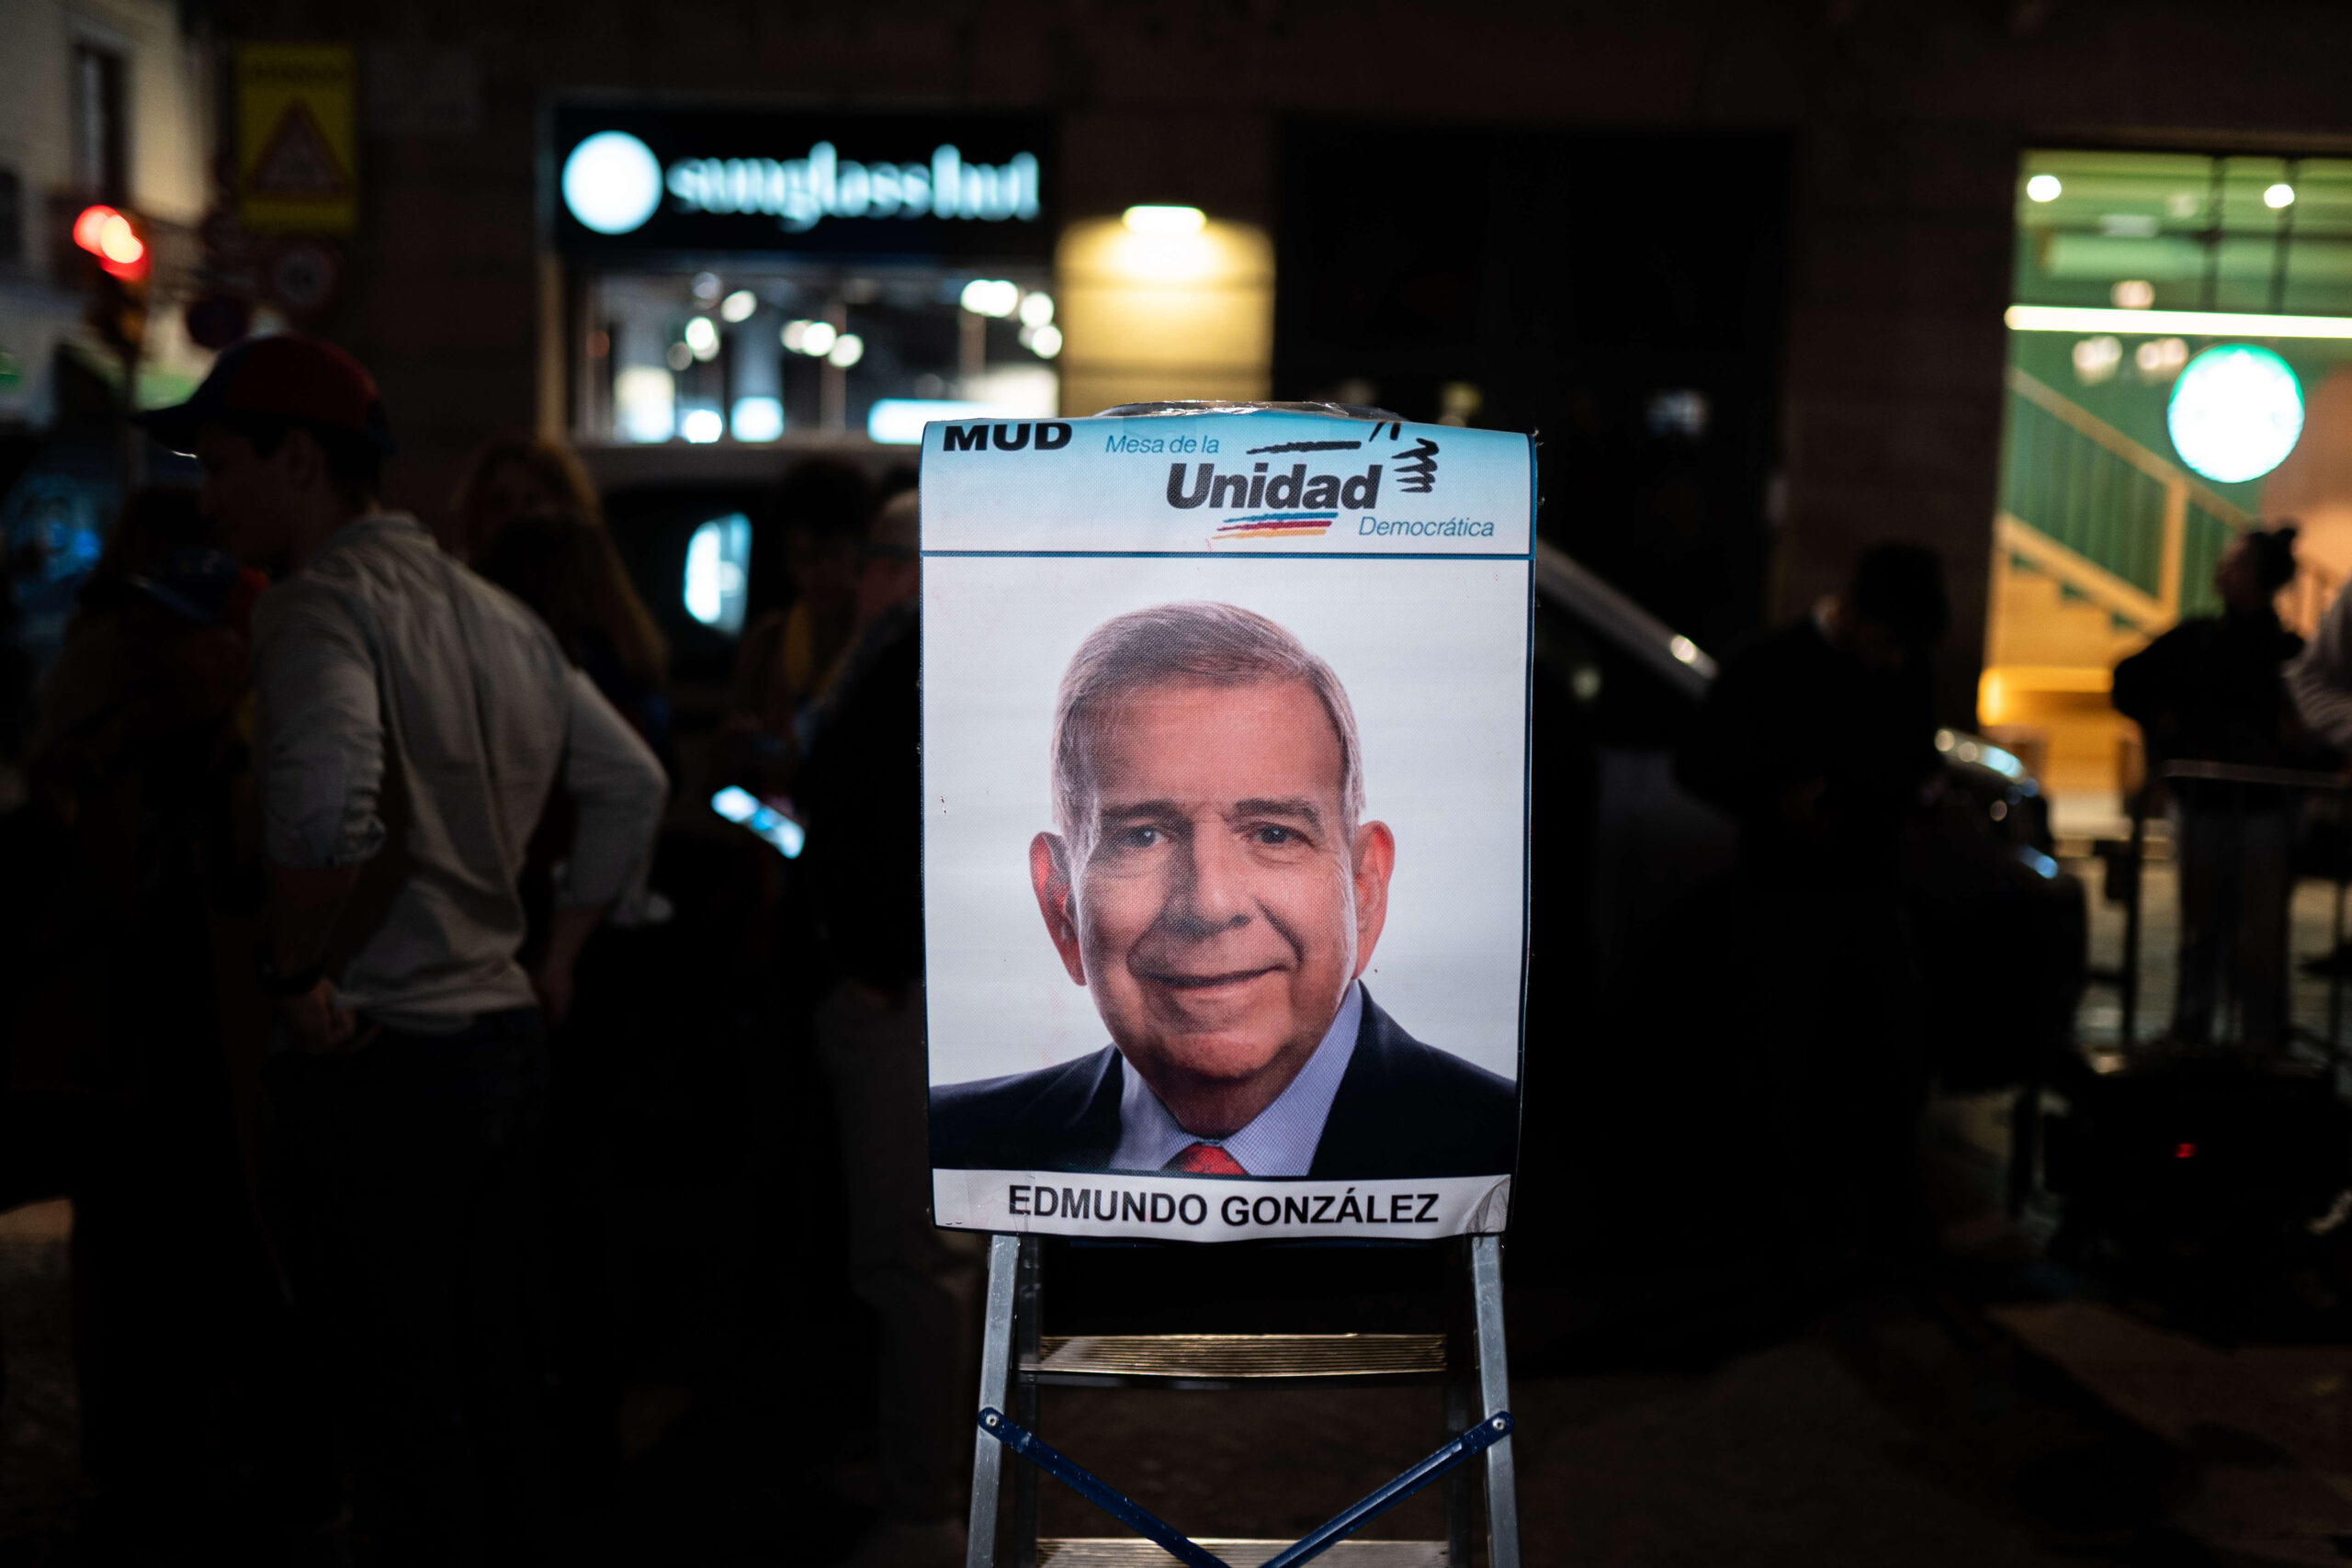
{"x": 792, "y": 652}
{"x": 511, "y": 477}
{"x": 411, "y": 721}
{"x": 1819, "y": 737}
{"x": 2210, "y": 690}
{"x": 135, "y": 766}
{"x": 567, "y": 568}
{"x": 564, "y": 564}
{"x": 861, "y": 792}
{"x": 1804, "y": 1070}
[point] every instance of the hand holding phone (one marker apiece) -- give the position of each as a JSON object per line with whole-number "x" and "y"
{"x": 739, "y": 805}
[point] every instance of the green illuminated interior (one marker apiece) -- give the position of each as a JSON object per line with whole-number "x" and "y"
{"x": 2195, "y": 228}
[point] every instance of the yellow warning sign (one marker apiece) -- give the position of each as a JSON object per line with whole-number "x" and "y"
{"x": 296, "y": 139}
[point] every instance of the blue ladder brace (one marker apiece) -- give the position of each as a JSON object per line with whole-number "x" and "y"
{"x": 1493, "y": 1393}
{"x": 1144, "y": 1522}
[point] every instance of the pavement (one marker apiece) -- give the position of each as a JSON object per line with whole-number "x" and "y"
{"x": 1926, "y": 1426}
{"x": 1893, "y": 1430}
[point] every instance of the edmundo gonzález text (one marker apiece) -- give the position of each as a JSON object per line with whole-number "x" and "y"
{"x": 1236, "y": 1211}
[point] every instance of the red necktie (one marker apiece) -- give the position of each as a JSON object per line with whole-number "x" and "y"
{"x": 1206, "y": 1159}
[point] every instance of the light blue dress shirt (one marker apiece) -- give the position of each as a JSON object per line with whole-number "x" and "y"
{"x": 1280, "y": 1141}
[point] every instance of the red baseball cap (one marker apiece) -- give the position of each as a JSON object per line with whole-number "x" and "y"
{"x": 285, "y": 375}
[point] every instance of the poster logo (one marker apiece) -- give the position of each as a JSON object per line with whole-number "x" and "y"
{"x": 1051, "y": 435}
{"x": 1299, "y": 504}
{"x": 1417, "y": 468}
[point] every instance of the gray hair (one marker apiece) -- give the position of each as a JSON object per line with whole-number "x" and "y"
{"x": 1221, "y": 645}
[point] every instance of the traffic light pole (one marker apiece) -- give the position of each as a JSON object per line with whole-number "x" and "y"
{"x": 130, "y": 442}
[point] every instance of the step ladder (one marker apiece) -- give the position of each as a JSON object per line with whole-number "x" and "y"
{"x": 1469, "y": 1362}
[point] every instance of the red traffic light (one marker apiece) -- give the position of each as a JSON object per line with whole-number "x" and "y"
{"x": 114, "y": 240}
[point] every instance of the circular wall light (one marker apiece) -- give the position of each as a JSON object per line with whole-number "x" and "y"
{"x": 2043, "y": 188}
{"x": 2236, "y": 412}
{"x": 612, "y": 181}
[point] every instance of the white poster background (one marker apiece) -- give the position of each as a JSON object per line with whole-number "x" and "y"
{"x": 1433, "y": 654}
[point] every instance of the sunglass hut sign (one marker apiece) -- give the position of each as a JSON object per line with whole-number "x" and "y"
{"x": 738, "y": 181}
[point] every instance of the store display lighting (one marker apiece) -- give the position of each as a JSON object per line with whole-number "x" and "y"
{"x": 2096, "y": 359}
{"x": 814, "y": 339}
{"x": 757, "y": 419}
{"x": 2133, "y": 294}
{"x": 847, "y": 350}
{"x": 702, "y": 338}
{"x": 2235, "y": 413}
{"x": 2186, "y": 323}
{"x": 2279, "y": 196}
{"x": 2160, "y": 357}
{"x": 645, "y": 403}
{"x": 612, "y": 182}
{"x": 1036, "y": 309}
{"x": 1043, "y": 341}
{"x": 899, "y": 422}
{"x": 702, "y": 426}
{"x": 990, "y": 297}
{"x": 2043, "y": 188}
{"x": 1154, "y": 220}
{"x": 738, "y": 305}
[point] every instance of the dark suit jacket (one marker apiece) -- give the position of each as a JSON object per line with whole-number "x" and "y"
{"x": 1404, "y": 1110}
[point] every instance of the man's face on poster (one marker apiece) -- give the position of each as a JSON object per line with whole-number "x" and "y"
{"x": 1221, "y": 907}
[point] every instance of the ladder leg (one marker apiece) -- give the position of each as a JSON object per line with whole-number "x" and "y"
{"x": 996, "y": 1366}
{"x": 1494, "y": 1391}
{"x": 1457, "y": 1486}
{"x": 1025, "y": 1330}
{"x": 1461, "y": 1385}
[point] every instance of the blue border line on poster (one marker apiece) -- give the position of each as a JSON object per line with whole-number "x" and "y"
{"x": 1235, "y": 555}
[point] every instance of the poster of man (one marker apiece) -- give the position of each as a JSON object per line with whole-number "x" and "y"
{"x": 1254, "y": 798}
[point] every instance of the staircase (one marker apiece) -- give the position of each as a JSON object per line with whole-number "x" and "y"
{"x": 2100, "y": 544}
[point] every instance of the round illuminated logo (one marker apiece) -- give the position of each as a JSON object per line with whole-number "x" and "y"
{"x": 2236, "y": 412}
{"x": 612, "y": 181}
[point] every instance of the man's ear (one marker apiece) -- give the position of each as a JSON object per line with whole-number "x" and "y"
{"x": 1050, "y": 874}
{"x": 1375, "y": 857}
{"x": 300, "y": 458}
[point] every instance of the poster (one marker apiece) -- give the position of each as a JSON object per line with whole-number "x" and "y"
{"x": 296, "y": 140}
{"x": 1225, "y": 853}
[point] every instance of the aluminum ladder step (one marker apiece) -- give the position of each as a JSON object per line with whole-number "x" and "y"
{"x": 1220, "y": 1360}
{"x": 1115, "y": 1551}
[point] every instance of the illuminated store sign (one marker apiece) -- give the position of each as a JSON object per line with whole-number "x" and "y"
{"x": 2235, "y": 412}
{"x": 698, "y": 181}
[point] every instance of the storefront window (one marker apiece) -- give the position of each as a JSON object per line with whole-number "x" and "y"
{"x": 2179, "y": 370}
{"x": 750, "y": 277}
{"x": 759, "y": 350}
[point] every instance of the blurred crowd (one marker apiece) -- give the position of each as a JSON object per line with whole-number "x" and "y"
{"x": 368, "y": 908}
{"x": 359, "y": 927}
